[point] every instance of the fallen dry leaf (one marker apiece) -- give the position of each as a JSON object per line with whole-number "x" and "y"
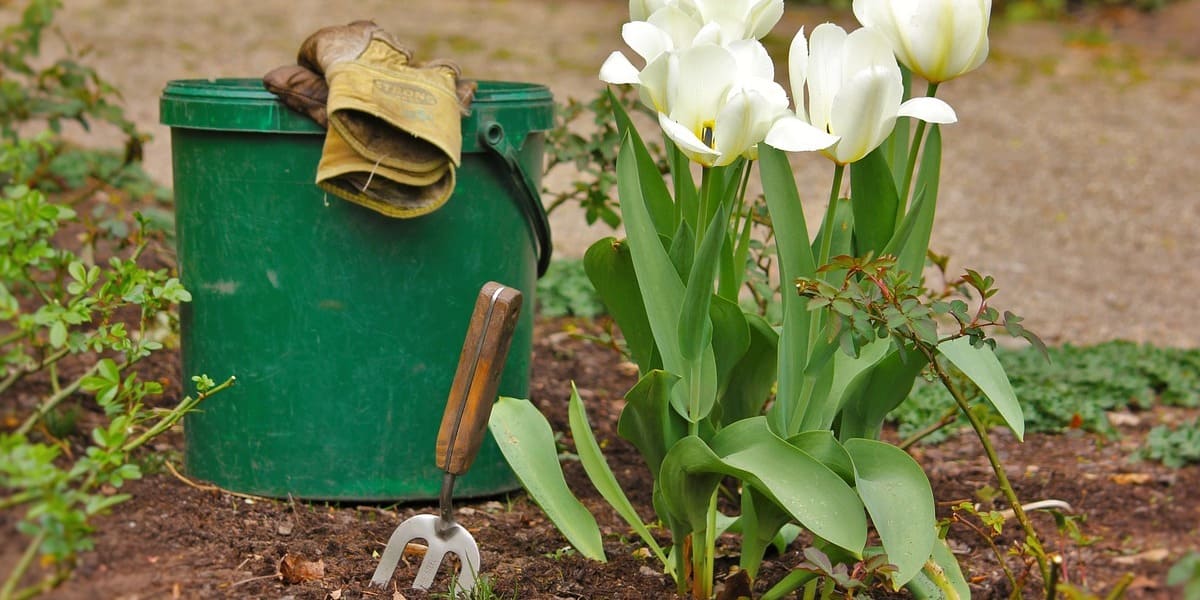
{"x": 1156, "y": 555}
{"x": 293, "y": 569}
{"x": 1141, "y": 582}
{"x": 1131, "y": 478}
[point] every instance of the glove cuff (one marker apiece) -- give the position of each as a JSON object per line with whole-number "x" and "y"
{"x": 392, "y": 192}
{"x": 422, "y": 102}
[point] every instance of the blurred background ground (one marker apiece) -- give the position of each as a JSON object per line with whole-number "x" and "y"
{"x": 1072, "y": 175}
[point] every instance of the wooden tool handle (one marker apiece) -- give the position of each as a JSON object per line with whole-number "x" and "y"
{"x": 477, "y": 377}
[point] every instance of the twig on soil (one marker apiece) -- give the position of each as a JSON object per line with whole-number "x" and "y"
{"x": 1008, "y": 514}
{"x": 208, "y": 487}
{"x": 253, "y": 579}
{"x": 382, "y": 511}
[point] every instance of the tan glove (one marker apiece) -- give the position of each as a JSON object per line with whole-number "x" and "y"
{"x": 301, "y": 90}
{"x": 395, "y": 137}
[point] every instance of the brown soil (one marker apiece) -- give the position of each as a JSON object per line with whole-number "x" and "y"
{"x": 1072, "y": 182}
{"x": 174, "y": 540}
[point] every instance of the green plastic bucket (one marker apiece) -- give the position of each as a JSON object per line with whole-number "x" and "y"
{"x": 342, "y": 326}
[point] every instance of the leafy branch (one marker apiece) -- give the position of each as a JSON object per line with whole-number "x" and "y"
{"x": 874, "y": 300}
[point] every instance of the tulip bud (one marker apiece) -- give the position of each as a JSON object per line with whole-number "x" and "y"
{"x": 936, "y": 39}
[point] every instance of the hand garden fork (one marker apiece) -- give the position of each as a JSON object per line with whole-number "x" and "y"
{"x": 467, "y": 410}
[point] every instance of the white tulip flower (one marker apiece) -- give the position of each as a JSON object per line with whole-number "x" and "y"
{"x": 936, "y": 39}
{"x": 854, "y": 89}
{"x": 718, "y": 102}
{"x": 737, "y": 19}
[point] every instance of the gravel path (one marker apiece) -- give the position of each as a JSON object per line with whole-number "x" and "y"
{"x": 1071, "y": 177}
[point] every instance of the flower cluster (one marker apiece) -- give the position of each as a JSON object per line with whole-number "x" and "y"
{"x": 712, "y": 83}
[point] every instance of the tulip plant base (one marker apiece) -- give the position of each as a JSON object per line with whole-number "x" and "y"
{"x": 172, "y": 540}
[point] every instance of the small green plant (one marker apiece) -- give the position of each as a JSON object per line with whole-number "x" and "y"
{"x": 484, "y": 590}
{"x": 1185, "y": 574}
{"x": 66, "y": 90}
{"x": 75, "y": 322}
{"x": 61, "y": 308}
{"x": 819, "y": 576}
{"x": 585, "y": 138}
{"x": 565, "y": 290}
{"x": 1173, "y": 447}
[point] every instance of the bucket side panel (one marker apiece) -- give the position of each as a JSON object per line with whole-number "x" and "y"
{"x": 342, "y": 326}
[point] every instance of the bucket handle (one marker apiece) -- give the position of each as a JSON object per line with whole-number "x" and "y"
{"x": 491, "y": 134}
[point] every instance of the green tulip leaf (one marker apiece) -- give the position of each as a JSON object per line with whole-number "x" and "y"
{"x": 878, "y": 391}
{"x": 846, "y": 371}
{"x": 527, "y": 442}
{"x": 656, "y": 272}
{"x": 681, "y": 249}
{"x": 657, "y": 198}
{"x": 804, "y": 488}
{"x": 760, "y": 523}
{"x": 941, "y": 578}
{"x": 823, "y": 446}
{"x": 609, "y": 266}
{"x": 695, "y": 326}
{"x": 912, "y": 254}
{"x": 730, "y": 339}
{"x": 648, "y": 421}
{"x": 689, "y": 475}
{"x": 897, "y": 494}
{"x": 982, "y": 367}
{"x": 749, "y": 381}
{"x": 808, "y": 490}
{"x": 795, "y": 261}
{"x": 687, "y": 197}
{"x": 601, "y": 476}
{"x": 875, "y": 201}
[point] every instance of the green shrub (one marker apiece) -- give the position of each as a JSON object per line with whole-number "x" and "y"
{"x": 79, "y": 309}
{"x": 565, "y": 290}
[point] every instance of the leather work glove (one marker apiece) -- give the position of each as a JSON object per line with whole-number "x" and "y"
{"x": 394, "y": 127}
{"x": 301, "y": 90}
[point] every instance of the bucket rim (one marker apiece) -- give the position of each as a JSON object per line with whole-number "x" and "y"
{"x": 247, "y": 88}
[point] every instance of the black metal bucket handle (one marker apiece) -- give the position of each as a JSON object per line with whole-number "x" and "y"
{"x": 491, "y": 135}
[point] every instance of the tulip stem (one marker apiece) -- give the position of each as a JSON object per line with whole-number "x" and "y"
{"x": 703, "y": 207}
{"x": 827, "y": 224}
{"x": 919, "y": 137}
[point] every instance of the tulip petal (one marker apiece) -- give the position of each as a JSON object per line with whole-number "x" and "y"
{"x": 971, "y": 46}
{"x": 645, "y": 39}
{"x": 640, "y": 10}
{"x": 868, "y": 48}
{"x": 697, "y": 90}
{"x": 930, "y": 110}
{"x": 798, "y": 71}
{"x": 752, "y": 59}
{"x": 743, "y": 122}
{"x": 825, "y": 59}
{"x": 792, "y": 134}
{"x": 678, "y": 25}
{"x": 865, "y": 112}
{"x": 929, "y": 32}
{"x": 687, "y": 142}
{"x": 655, "y": 79}
{"x": 763, "y": 18}
{"x": 617, "y": 69}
